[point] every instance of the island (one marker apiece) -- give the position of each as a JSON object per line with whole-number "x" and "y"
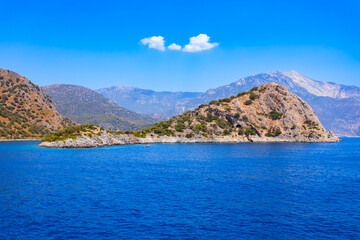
{"x": 269, "y": 113}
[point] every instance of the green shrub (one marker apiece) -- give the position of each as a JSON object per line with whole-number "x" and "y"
{"x": 179, "y": 127}
{"x": 274, "y": 115}
{"x": 189, "y": 135}
{"x": 223, "y": 123}
{"x": 253, "y": 96}
{"x": 210, "y": 117}
{"x": 201, "y": 127}
{"x": 202, "y": 105}
{"x": 275, "y": 133}
{"x": 226, "y": 132}
{"x": 248, "y": 102}
{"x": 214, "y": 103}
{"x": 249, "y": 131}
{"x": 241, "y": 94}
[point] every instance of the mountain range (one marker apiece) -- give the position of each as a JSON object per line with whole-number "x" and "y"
{"x": 28, "y": 111}
{"x": 86, "y": 106}
{"x": 336, "y": 105}
{"x": 145, "y": 101}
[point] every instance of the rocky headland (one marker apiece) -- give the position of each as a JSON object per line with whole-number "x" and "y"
{"x": 269, "y": 113}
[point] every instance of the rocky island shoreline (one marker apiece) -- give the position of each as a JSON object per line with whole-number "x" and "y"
{"x": 269, "y": 113}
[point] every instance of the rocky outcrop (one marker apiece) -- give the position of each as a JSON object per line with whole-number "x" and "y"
{"x": 266, "y": 114}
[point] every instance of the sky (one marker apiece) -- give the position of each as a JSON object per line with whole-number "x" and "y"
{"x": 178, "y": 45}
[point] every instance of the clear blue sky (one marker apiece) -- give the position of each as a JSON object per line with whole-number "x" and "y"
{"x": 97, "y": 43}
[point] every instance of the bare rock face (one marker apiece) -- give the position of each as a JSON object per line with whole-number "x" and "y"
{"x": 276, "y": 113}
{"x": 269, "y": 113}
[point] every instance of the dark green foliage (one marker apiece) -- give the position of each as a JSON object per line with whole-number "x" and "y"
{"x": 227, "y": 100}
{"x": 254, "y": 89}
{"x": 180, "y": 127}
{"x": 201, "y": 127}
{"x": 214, "y": 103}
{"x": 140, "y": 134}
{"x": 189, "y": 135}
{"x": 248, "y": 102}
{"x": 210, "y": 117}
{"x": 274, "y": 115}
{"x": 241, "y": 94}
{"x": 249, "y": 131}
{"x": 222, "y": 123}
{"x": 273, "y": 133}
{"x": 311, "y": 124}
{"x": 253, "y": 96}
{"x": 67, "y": 133}
{"x": 226, "y": 132}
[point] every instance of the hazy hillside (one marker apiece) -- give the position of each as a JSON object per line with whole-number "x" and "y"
{"x": 86, "y": 106}
{"x": 148, "y": 101}
{"x": 25, "y": 110}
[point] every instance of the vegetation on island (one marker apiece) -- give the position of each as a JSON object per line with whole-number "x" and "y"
{"x": 73, "y": 133}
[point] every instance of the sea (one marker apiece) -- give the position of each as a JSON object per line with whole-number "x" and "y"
{"x": 181, "y": 191}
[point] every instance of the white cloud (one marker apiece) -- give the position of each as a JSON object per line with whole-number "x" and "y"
{"x": 174, "y": 46}
{"x": 199, "y": 43}
{"x": 154, "y": 42}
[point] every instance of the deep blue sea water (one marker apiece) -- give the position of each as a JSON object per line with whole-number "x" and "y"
{"x": 181, "y": 191}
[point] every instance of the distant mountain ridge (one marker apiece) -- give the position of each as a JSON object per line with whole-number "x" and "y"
{"x": 86, "y": 106}
{"x": 337, "y": 105}
{"x": 148, "y": 101}
{"x": 292, "y": 80}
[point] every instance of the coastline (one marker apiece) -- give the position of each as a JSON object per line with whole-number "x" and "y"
{"x": 106, "y": 139}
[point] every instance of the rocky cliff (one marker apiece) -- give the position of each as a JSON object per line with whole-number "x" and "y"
{"x": 269, "y": 113}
